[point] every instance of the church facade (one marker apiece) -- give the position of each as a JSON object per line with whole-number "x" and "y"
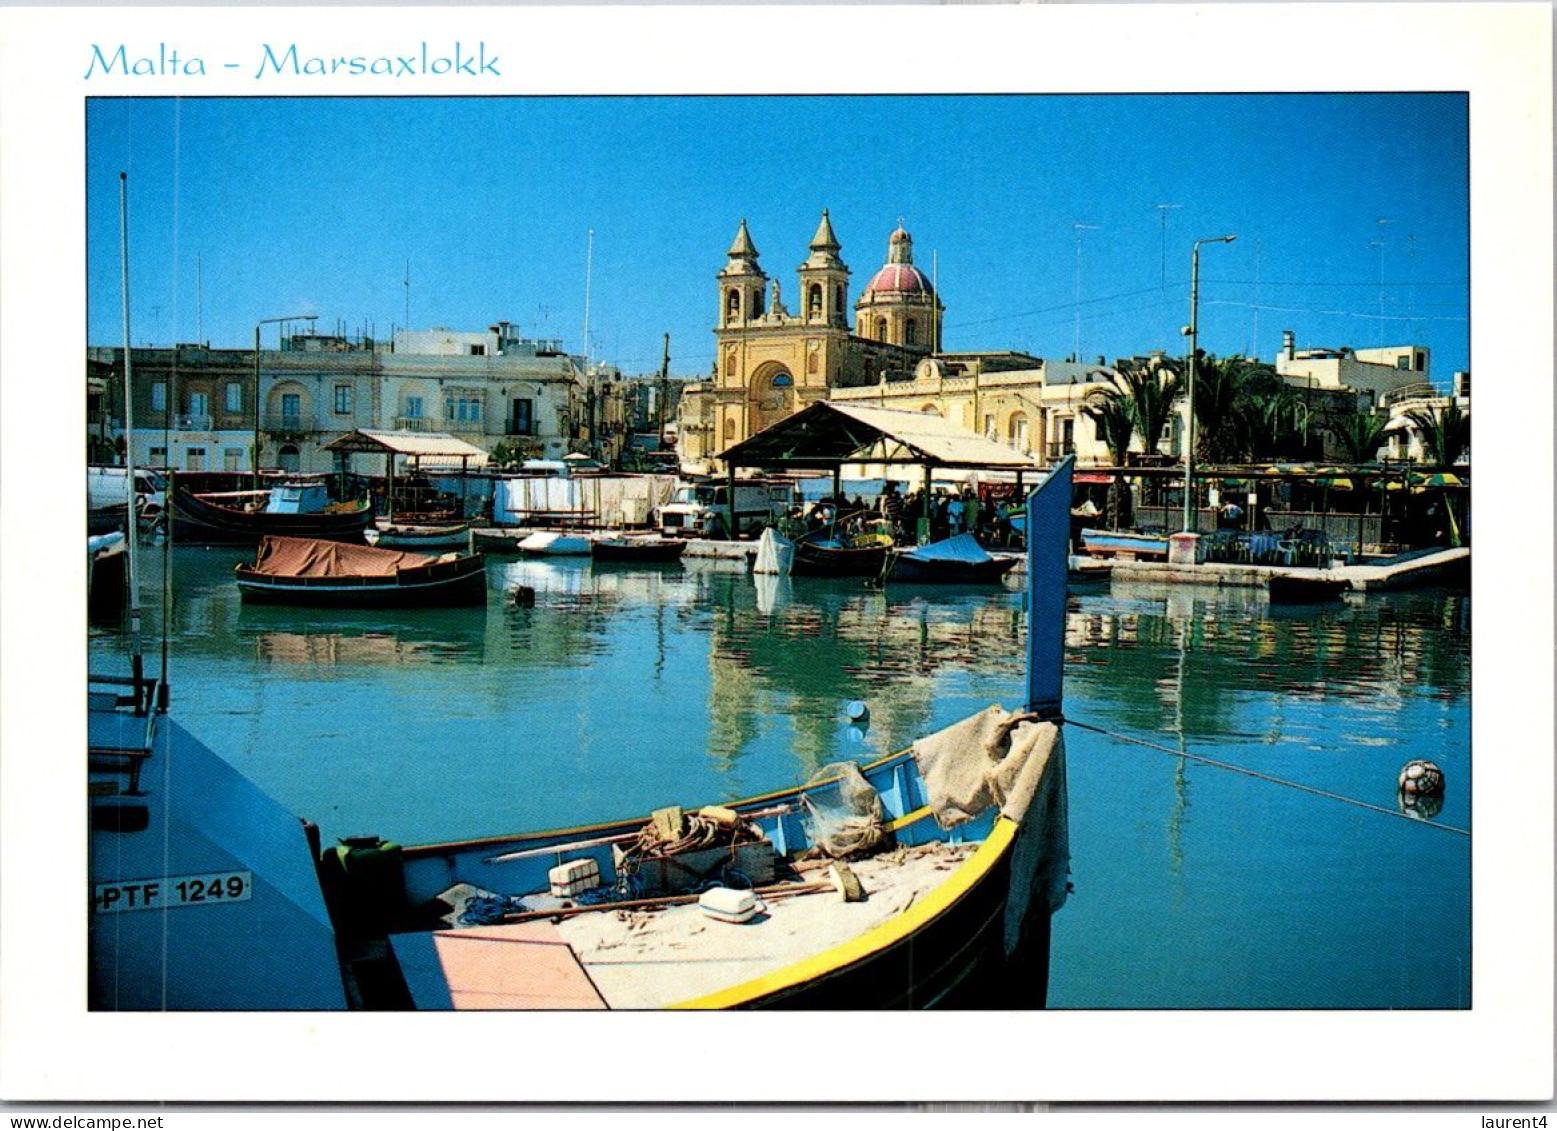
{"x": 771, "y": 362}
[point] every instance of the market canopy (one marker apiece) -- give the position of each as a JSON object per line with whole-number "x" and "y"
{"x": 435, "y": 448}
{"x": 826, "y": 434}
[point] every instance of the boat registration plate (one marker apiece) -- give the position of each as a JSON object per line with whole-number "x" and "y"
{"x": 172, "y": 891}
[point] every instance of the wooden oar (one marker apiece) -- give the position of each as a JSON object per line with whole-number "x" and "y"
{"x": 773, "y": 891}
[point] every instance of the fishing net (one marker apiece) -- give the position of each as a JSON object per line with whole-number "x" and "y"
{"x": 844, "y": 811}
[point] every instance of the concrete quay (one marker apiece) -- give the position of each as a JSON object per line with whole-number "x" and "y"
{"x": 1431, "y": 568}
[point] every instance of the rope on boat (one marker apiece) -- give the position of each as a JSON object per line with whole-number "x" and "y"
{"x": 1177, "y": 753}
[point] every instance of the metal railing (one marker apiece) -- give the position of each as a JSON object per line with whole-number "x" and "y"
{"x": 413, "y": 424}
{"x": 286, "y": 422}
{"x": 193, "y": 422}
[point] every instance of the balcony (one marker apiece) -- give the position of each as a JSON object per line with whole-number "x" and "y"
{"x": 286, "y": 424}
{"x": 413, "y": 424}
{"x": 1060, "y": 451}
{"x": 193, "y": 422}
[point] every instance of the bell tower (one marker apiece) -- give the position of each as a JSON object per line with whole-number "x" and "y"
{"x": 741, "y": 284}
{"x": 824, "y": 281}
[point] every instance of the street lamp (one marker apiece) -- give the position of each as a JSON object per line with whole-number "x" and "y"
{"x": 1193, "y": 330}
{"x": 257, "y": 325}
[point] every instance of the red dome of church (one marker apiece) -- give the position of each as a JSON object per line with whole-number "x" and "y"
{"x": 899, "y": 276}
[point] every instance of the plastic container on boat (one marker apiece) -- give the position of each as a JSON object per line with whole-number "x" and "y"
{"x": 728, "y": 905}
{"x": 574, "y": 876}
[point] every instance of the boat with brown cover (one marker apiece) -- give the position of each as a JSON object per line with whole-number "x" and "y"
{"x": 317, "y": 572}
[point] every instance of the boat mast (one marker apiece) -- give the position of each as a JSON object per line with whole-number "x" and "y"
{"x": 129, "y": 437}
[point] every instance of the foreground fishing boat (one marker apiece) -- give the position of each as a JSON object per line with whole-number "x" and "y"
{"x": 312, "y": 571}
{"x": 925, "y": 879}
{"x": 956, "y": 560}
{"x": 299, "y": 508}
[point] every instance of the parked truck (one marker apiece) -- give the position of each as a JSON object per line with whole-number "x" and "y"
{"x": 702, "y": 510}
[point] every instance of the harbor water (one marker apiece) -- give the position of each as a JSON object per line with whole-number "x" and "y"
{"x": 625, "y": 689}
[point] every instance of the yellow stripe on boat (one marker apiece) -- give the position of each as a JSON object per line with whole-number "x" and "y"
{"x": 909, "y": 819}
{"x": 877, "y": 939}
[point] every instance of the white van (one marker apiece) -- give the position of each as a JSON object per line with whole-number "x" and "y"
{"x": 106, "y": 488}
{"x": 702, "y": 510}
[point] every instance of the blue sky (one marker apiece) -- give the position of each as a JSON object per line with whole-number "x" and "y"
{"x": 243, "y": 209}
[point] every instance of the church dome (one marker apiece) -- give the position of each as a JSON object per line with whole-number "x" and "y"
{"x": 899, "y": 277}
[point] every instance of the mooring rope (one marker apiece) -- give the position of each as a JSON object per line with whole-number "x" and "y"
{"x": 1177, "y": 753}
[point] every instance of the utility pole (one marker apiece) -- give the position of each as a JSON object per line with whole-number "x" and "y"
{"x": 1193, "y": 330}
{"x": 664, "y": 387}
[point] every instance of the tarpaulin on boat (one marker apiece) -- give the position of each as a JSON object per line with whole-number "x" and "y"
{"x": 313, "y": 557}
{"x": 958, "y": 548}
{"x": 1004, "y": 758}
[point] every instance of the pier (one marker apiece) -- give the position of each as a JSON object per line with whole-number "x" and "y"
{"x": 1422, "y": 568}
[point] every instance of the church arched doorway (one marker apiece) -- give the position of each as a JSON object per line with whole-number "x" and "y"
{"x": 770, "y": 396}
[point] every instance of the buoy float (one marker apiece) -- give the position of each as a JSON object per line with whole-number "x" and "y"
{"x": 1421, "y": 777}
{"x": 856, "y": 711}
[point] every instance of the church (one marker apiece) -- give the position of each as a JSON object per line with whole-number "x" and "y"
{"x": 770, "y": 362}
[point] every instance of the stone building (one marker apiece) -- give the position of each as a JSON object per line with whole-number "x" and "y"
{"x": 770, "y": 363}
{"x": 195, "y": 407}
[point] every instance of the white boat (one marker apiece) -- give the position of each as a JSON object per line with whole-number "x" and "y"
{"x": 392, "y": 535}
{"x": 554, "y": 544}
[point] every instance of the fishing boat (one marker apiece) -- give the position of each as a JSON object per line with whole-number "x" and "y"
{"x": 1305, "y": 589}
{"x": 314, "y": 571}
{"x": 1114, "y": 543}
{"x": 392, "y": 535}
{"x": 841, "y": 551}
{"x": 551, "y": 543}
{"x": 924, "y": 879}
{"x": 629, "y": 550}
{"x": 955, "y": 560}
{"x": 294, "y": 507}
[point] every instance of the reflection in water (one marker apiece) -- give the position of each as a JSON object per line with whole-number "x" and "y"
{"x": 623, "y": 690}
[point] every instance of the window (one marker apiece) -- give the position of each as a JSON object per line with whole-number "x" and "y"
{"x": 478, "y": 351}
{"x": 1403, "y": 361}
{"x": 729, "y": 430}
{"x": 342, "y": 399}
{"x": 291, "y": 410}
{"x": 159, "y": 396}
{"x": 732, "y": 306}
{"x": 838, "y": 298}
{"x": 234, "y": 397}
{"x": 157, "y": 457}
{"x": 523, "y": 422}
{"x": 462, "y": 408}
{"x": 911, "y": 332}
{"x": 199, "y": 404}
{"x": 881, "y": 329}
{"x": 413, "y": 407}
{"x": 232, "y": 459}
{"x": 194, "y": 459}
{"x": 782, "y": 380}
{"x": 814, "y": 300}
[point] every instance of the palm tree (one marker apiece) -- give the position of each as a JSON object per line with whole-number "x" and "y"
{"x": 1220, "y": 390}
{"x": 1359, "y": 435}
{"x": 1445, "y": 433}
{"x": 1114, "y": 416}
{"x": 1150, "y": 387}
